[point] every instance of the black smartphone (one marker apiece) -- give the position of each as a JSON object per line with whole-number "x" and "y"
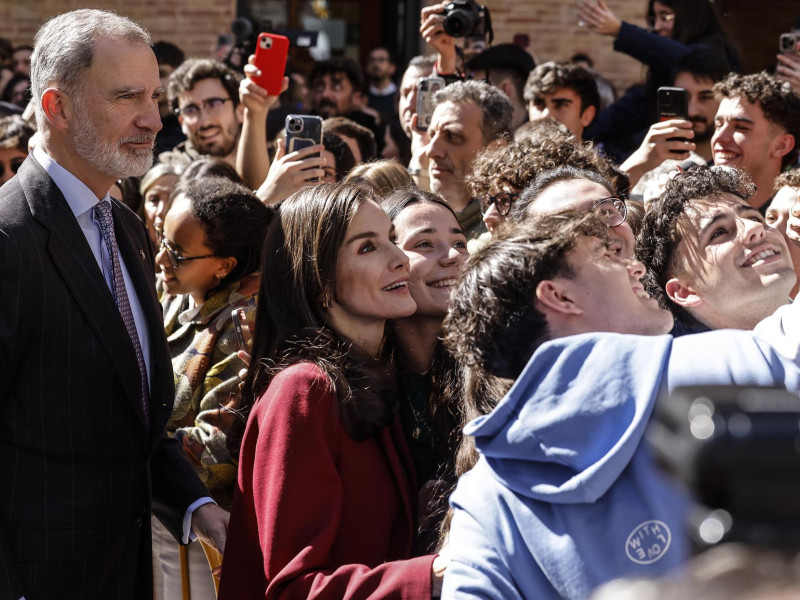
{"x": 673, "y": 103}
{"x": 303, "y": 131}
{"x": 426, "y": 88}
{"x": 242, "y": 319}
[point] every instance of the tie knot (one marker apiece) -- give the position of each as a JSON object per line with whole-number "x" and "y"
{"x": 102, "y": 212}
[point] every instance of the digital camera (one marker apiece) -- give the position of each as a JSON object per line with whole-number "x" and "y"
{"x": 466, "y": 18}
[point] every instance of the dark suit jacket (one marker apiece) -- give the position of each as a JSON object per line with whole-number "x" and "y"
{"x": 79, "y": 469}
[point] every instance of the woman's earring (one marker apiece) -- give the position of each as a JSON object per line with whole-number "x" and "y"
{"x": 326, "y": 301}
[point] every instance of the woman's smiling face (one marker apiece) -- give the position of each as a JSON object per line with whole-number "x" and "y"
{"x": 436, "y": 247}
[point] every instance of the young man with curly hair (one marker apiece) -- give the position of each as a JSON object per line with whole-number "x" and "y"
{"x": 500, "y": 173}
{"x": 757, "y": 129}
{"x": 564, "y": 360}
{"x": 711, "y": 258}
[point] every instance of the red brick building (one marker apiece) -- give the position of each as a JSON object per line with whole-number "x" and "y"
{"x": 550, "y": 25}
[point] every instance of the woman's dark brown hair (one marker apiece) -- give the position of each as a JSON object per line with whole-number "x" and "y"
{"x": 301, "y": 251}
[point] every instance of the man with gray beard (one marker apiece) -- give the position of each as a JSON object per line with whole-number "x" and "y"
{"x": 86, "y": 383}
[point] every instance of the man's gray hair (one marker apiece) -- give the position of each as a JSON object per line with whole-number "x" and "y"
{"x": 494, "y": 104}
{"x": 64, "y": 49}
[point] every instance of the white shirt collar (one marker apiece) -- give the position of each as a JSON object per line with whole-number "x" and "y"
{"x": 78, "y": 195}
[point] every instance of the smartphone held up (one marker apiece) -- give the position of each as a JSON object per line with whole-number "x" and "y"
{"x": 270, "y": 58}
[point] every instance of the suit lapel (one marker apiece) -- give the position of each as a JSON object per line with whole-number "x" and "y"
{"x": 77, "y": 265}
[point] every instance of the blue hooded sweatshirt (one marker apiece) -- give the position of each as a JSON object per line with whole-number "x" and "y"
{"x": 565, "y": 496}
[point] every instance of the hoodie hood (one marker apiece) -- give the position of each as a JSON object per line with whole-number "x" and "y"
{"x": 573, "y": 419}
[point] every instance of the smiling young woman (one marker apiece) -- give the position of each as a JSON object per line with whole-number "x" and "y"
{"x": 325, "y": 498}
{"x": 427, "y": 230}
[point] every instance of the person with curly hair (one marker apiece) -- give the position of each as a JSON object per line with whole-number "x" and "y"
{"x": 757, "y": 129}
{"x": 564, "y": 495}
{"x": 711, "y": 258}
{"x": 15, "y": 133}
{"x": 500, "y": 174}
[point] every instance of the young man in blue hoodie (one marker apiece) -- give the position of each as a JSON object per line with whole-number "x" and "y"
{"x": 565, "y": 496}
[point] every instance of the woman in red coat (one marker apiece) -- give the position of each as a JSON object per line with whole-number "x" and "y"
{"x": 324, "y": 505}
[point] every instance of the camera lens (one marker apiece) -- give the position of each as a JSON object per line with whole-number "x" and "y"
{"x": 458, "y": 23}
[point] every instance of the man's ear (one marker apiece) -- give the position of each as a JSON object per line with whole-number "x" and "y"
{"x": 782, "y": 145}
{"x": 240, "y": 113}
{"x": 682, "y": 294}
{"x": 507, "y": 87}
{"x": 552, "y": 297}
{"x": 588, "y": 115}
{"x": 57, "y": 108}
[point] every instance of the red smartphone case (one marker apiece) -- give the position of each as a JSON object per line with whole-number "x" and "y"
{"x": 271, "y": 53}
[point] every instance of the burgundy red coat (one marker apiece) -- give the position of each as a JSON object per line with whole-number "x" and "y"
{"x": 317, "y": 514}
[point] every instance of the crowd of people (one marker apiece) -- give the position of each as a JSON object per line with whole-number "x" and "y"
{"x": 403, "y": 362}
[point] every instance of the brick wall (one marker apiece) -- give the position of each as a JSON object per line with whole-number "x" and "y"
{"x": 195, "y": 24}
{"x": 191, "y": 24}
{"x": 554, "y": 34}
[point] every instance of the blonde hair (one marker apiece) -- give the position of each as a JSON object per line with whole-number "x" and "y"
{"x": 381, "y": 176}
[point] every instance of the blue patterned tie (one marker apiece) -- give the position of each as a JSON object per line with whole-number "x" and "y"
{"x": 102, "y": 213}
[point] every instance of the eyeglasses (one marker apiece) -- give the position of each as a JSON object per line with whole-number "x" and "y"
{"x": 612, "y": 210}
{"x": 14, "y": 164}
{"x": 176, "y": 259}
{"x": 502, "y": 201}
{"x": 210, "y": 106}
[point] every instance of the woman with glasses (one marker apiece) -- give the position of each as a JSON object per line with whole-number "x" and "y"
{"x": 325, "y": 501}
{"x": 427, "y": 230}
{"x": 209, "y": 262}
{"x": 676, "y": 27}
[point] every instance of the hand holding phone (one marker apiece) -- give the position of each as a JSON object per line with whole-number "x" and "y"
{"x": 242, "y": 318}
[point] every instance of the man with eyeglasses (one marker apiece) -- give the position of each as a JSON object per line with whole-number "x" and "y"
{"x": 204, "y": 94}
{"x": 570, "y": 188}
